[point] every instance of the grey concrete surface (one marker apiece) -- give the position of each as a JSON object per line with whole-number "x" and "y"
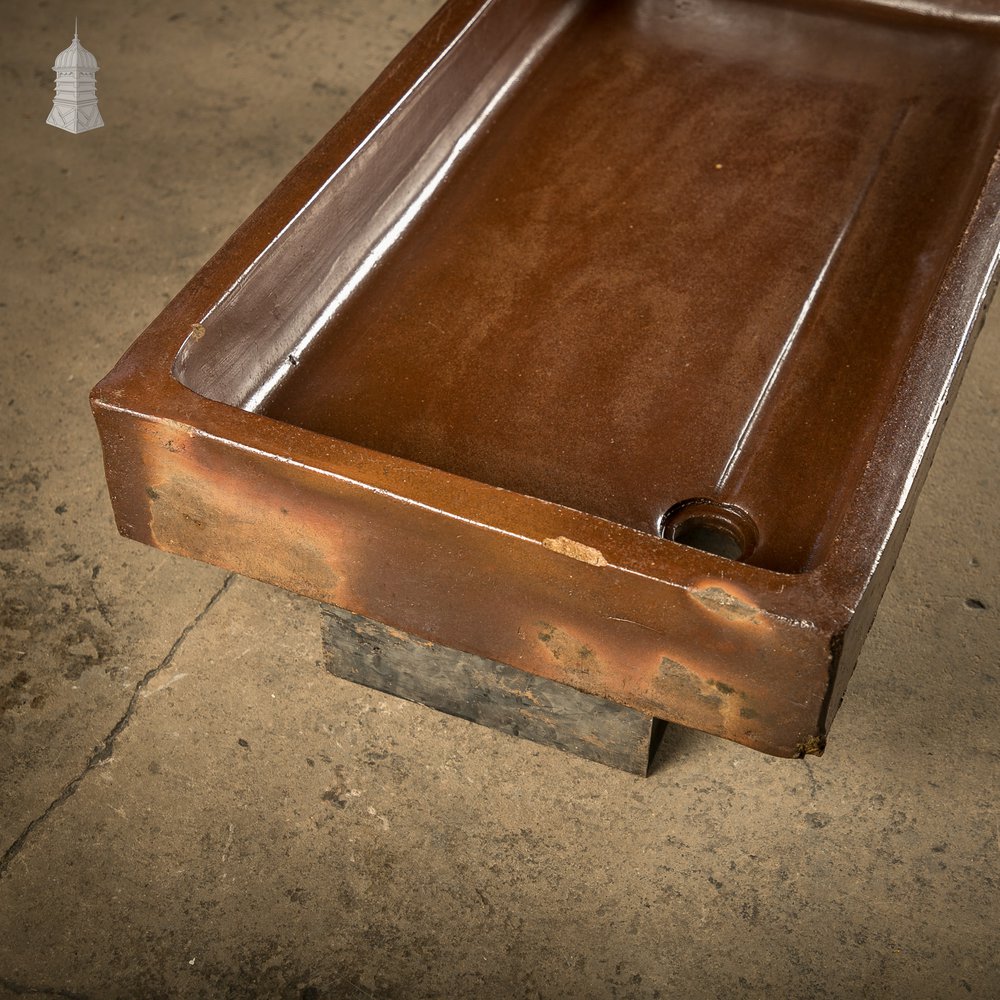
{"x": 191, "y": 806}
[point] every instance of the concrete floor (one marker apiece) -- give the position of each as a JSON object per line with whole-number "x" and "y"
{"x": 192, "y": 807}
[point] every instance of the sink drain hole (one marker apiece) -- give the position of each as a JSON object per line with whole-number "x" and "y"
{"x": 710, "y": 526}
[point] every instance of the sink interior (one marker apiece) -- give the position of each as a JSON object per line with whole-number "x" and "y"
{"x": 662, "y": 263}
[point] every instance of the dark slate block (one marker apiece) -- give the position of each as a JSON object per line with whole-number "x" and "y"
{"x": 488, "y": 693}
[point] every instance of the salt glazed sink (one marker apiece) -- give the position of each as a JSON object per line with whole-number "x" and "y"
{"x": 606, "y": 340}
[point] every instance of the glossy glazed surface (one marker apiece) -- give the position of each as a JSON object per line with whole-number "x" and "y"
{"x": 656, "y": 270}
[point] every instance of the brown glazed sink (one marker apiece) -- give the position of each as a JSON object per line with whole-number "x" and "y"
{"x": 570, "y": 277}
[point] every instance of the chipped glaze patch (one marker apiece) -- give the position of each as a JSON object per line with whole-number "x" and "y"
{"x": 576, "y": 550}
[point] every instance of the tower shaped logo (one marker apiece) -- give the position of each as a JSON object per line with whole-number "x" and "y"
{"x": 75, "y": 106}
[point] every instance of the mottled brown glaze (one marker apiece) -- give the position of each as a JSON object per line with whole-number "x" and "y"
{"x": 573, "y": 275}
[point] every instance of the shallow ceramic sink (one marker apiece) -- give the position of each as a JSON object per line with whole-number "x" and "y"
{"x": 608, "y": 340}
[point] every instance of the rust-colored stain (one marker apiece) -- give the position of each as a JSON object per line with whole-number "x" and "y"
{"x": 609, "y": 341}
{"x": 573, "y": 659}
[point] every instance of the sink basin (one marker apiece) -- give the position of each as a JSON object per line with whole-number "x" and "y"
{"x": 608, "y": 340}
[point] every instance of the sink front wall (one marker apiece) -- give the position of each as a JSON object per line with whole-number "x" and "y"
{"x": 700, "y": 654}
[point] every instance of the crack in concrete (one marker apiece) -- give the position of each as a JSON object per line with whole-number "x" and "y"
{"x": 106, "y": 747}
{"x": 21, "y": 990}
